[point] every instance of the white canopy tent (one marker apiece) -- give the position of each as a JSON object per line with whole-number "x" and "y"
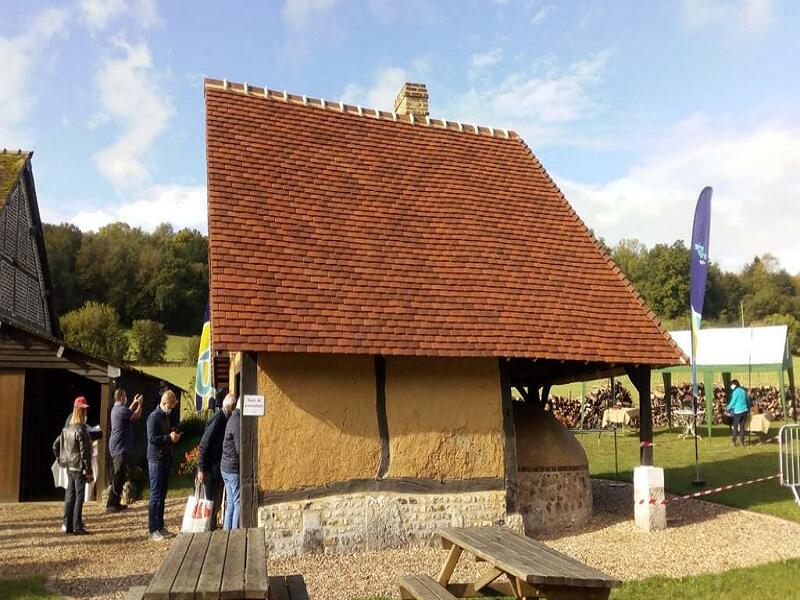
{"x": 725, "y": 350}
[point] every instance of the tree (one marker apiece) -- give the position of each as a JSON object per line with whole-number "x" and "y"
{"x": 63, "y": 243}
{"x": 150, "y": 340}
{"x": 665, "y": 286}
{"x": 630, "y": 256}
{"x": 95, "y": 328}
{"x": 192, "y": 350}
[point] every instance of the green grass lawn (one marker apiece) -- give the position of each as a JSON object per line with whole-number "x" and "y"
{"x": 24, "y": 589}
{"x": 719, "y": 465}
{"x": 772, "y": 581}
{"x": 179, "y": 375}
{"x": 176, "y": 348}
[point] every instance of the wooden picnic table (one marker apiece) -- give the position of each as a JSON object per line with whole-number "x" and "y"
{"x": 532, "y": 569}
{"x": 219, "y": 564}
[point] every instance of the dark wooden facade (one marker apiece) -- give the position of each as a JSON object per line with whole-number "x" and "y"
{"x": 24, "y": 276}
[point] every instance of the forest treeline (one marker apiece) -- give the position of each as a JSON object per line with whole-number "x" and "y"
{"x": 163, "y": 276}
{"x": 160, "y": 276}
{"x": 761, "y": 293}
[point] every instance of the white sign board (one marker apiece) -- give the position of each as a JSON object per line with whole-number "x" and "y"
{"x": 253, "y": 406}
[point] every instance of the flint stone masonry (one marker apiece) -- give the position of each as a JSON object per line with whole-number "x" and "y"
{"x": 551, "y": 499}
{"x": 345, "y": 523}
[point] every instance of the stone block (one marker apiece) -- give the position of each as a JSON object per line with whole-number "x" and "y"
{"x": 650, "y": 513}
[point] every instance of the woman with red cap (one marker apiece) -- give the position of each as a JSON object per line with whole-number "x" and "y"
{"x": 75, "y": 454}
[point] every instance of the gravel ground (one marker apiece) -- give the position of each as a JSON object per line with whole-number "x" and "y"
{"x": 702, "y": 537}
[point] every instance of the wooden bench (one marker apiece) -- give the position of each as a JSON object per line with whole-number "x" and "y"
{"x": 218, "y": 565}
{"x": 291, "y": 587}
{"x": 531, "y": 569}
{"x": 423, "y": 587}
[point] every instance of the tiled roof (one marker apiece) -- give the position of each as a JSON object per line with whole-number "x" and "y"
{"x": 338, "y": 229}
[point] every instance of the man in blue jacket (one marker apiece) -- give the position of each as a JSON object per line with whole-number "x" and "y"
{"x": 210, "y": 456}
{"x": 739, "y": 407}
{"x": 161, "y": 437}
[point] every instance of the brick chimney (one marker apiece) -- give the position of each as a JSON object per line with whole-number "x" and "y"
{"x": 413, "y": 98}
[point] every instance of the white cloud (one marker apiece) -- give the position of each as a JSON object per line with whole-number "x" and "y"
{"x": 99, "y": 14}
{"x": 755, "y": 174}
{"x": 539, "y": 14}
{"x": 749, "y": 16}
{"x": 299, "y": 13}
{"x": 381, "y": 93}
{"x": 19, "y": 58}
{"x": 179, "y": 205}
{"x": 130, "y": 95}
{"x": 537, "y": 102}
{"x": 481, "y": 61}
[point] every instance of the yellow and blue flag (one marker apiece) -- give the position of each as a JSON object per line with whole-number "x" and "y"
{"x": 203, "y": 384}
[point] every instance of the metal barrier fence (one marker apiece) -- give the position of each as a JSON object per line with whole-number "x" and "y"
{"x": 789, "y": 458}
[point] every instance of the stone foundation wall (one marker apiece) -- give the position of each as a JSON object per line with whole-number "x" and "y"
{"x": 554, "y": 498}
{"x": 345, "y": 523}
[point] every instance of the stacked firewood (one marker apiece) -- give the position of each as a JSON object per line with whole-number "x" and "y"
{"x": 763, "y": 399}
{"x": 568, "y": 410}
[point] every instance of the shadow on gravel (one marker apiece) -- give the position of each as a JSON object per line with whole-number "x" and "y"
{"x": 85, "y": 587}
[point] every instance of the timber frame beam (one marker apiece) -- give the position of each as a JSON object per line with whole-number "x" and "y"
{"x": 249, "y": 446}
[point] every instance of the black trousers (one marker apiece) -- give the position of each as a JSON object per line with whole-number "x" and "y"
{"x": 119, "y": 464}
{"x": 214, "y": 486}
{"x": 73, "y": 501}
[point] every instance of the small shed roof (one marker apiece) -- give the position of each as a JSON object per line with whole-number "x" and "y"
{"x": 738, "y": 347}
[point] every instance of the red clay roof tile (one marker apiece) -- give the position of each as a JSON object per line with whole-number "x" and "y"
{"x": 333, "y": 232}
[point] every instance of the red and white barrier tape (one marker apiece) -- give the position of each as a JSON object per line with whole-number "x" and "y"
{"x": 716, "y": 490}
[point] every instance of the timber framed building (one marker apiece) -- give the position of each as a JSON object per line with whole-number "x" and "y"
{"x": 40, "y": 374}
{"x": 385, "y": 280}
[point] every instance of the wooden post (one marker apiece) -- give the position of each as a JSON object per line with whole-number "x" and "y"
{"x": 583, "y": 401}
{"x": 510, "y": 446}
{"x": 708, "y": 385}
{"x": 12, "y": 403}
{"x": 101, "y": 477}
{"x": 666, "y": 376}
{"x": 640, "y": 377}
{"x": 782, "y": 385}
{"x": 794, "y": 392}
{"x": 248, "y": 457}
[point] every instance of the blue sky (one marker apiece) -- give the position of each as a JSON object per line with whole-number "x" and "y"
{"x": 632, "y": 106}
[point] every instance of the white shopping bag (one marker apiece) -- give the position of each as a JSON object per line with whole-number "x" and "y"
{"x": 197, "y": 516}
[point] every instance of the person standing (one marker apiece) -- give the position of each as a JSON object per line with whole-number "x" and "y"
{"x": 739, "y": 407}
{"x": 120, "y": 444}
{"x": 230, "y": 468}
{"x": 160, "y": 440}
{"x": 76, "y": 454}
{"x": 210, "y": 455}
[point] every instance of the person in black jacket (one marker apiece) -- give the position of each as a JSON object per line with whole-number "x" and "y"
{"x": 74, "y": 449}
{"x": 160, "y": 440}
{"x": 230, "y": 469}
{"x": 210, "y": 455}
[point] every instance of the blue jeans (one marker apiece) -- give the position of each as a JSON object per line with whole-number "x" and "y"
{"x": 159, "y": 480}
{"x": 737, "y": 427}
{"x": 232, "y": 502}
